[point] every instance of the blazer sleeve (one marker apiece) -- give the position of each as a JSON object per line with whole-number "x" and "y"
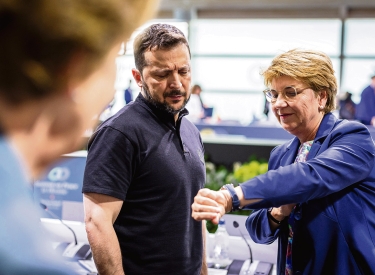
{"x": 343, "y": 157}
{"x": 259, "y": 228}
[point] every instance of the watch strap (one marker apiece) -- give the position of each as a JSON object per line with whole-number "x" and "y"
{"x": 235, "y": 200}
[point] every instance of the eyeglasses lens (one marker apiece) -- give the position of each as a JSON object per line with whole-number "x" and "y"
{"x": 289, "y": 93}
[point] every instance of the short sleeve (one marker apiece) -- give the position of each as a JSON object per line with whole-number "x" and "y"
{"x": 110, "y": 166}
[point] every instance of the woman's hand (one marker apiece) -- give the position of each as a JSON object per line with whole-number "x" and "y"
{"x": 280, "y": 213}
{"x": 286, "y": 209}
{"x": 283, "y": 211}
{"x": 210, "y": 205}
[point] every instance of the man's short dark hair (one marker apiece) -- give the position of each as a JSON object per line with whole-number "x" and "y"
{"x": 157, "y": 36}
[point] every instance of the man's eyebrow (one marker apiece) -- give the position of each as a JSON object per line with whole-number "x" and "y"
{"x": 185, "y": 67}
{"x": 160, "y": 69}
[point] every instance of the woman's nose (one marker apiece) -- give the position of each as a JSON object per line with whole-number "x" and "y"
{"x": 280, "y": 102}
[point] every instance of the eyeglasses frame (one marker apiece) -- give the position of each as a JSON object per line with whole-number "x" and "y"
{"x": 273, "y": 100}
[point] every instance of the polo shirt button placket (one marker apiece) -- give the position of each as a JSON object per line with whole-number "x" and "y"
{"x": 186, "y": 150}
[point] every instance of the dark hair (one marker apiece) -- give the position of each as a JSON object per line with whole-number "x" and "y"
{"x": 157, "y": 36}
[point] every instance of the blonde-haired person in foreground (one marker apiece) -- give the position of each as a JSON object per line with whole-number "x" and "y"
{"x": 317, "y": 199}
{"x": 57, "y": 71}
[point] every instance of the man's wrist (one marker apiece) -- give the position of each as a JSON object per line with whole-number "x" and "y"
{"x": 228, "y": 200}
{"x": 234, "y": 204}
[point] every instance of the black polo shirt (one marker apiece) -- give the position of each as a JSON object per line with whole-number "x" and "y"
{"x": 156, "y": 166}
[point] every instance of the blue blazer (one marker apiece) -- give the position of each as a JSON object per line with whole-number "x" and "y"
{"x": 335, "y": 191}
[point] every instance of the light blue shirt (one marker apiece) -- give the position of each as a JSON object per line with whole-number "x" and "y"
{"x": 24, "y": 246}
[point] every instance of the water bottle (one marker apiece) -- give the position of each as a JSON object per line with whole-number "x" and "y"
{"x": 221, "y": 247}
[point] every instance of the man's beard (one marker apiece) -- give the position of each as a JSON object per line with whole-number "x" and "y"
{"x": 164, "y": 106}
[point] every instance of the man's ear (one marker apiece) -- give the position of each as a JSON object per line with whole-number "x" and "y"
{"x": 137, "y": 77}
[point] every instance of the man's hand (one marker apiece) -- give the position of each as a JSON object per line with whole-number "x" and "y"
{"x": 210, "y": 205}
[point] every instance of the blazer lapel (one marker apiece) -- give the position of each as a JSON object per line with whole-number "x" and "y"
{"x": 291, "y": 152}
{"x": 325, "y": 128}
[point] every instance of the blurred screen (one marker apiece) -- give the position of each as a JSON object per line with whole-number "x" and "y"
{"x": 60, "y": 189}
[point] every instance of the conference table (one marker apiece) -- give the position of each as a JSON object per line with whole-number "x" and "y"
{"x": 226, "y": 143}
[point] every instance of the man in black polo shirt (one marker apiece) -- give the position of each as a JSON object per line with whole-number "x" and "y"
{"x": 145, "y": 165}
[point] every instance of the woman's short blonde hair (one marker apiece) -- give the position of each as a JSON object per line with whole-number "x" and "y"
{"x": 40, "y": 38}
{"x": 314, "y": 68}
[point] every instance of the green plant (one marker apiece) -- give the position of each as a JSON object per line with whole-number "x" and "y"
{"x": 249, "y": 169}
{"x": 217, "y": 176}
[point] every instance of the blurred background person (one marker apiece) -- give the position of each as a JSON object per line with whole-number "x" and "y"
{"x": 317, "y": 198}
{"x": 197, "y": 90}
{"x": 198, "y": 111}
{"x": 346, "y": 106}
{"x": 195, "y": 105}
{"x": 128, "y": 93}
{"x": 57, "y": 72}
{"x": 107, "y": 113}
{"x": 365, "y": 111}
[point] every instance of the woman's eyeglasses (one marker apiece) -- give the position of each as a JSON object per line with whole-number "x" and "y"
{"x": 289, "y": 93}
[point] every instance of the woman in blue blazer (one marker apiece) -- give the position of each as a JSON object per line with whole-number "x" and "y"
{"x": 318, "y": 197}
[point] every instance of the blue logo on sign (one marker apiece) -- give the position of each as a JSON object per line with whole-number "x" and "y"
{"x": 59, "y": 174}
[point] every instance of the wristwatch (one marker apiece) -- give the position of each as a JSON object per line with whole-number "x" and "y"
{"x": 235, "y": 200}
